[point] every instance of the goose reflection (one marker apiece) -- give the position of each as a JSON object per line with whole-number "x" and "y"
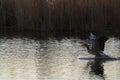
{"x": 96, "y": 68}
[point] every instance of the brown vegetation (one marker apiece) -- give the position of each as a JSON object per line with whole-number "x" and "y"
{"x": 60, "y": 18}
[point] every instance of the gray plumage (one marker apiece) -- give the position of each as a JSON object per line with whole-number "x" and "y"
{"x": 97, "y": 45}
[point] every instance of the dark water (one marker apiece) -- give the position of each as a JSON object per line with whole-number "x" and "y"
{"x": 27, "y": 59}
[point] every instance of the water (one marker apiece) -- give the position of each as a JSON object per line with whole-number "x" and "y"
{"x": 27, "y": 59}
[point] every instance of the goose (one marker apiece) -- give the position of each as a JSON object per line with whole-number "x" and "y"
{"x": 97, "y": 46}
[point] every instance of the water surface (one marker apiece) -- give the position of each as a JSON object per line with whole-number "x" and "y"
{"x": 27, "y": 59}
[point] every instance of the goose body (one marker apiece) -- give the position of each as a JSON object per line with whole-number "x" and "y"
{"x": 97, "y": 46}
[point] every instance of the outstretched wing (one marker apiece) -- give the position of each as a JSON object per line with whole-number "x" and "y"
{"x": 101, "y": 42}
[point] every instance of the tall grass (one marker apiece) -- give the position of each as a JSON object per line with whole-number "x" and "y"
{"x": 60, "y": 18}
